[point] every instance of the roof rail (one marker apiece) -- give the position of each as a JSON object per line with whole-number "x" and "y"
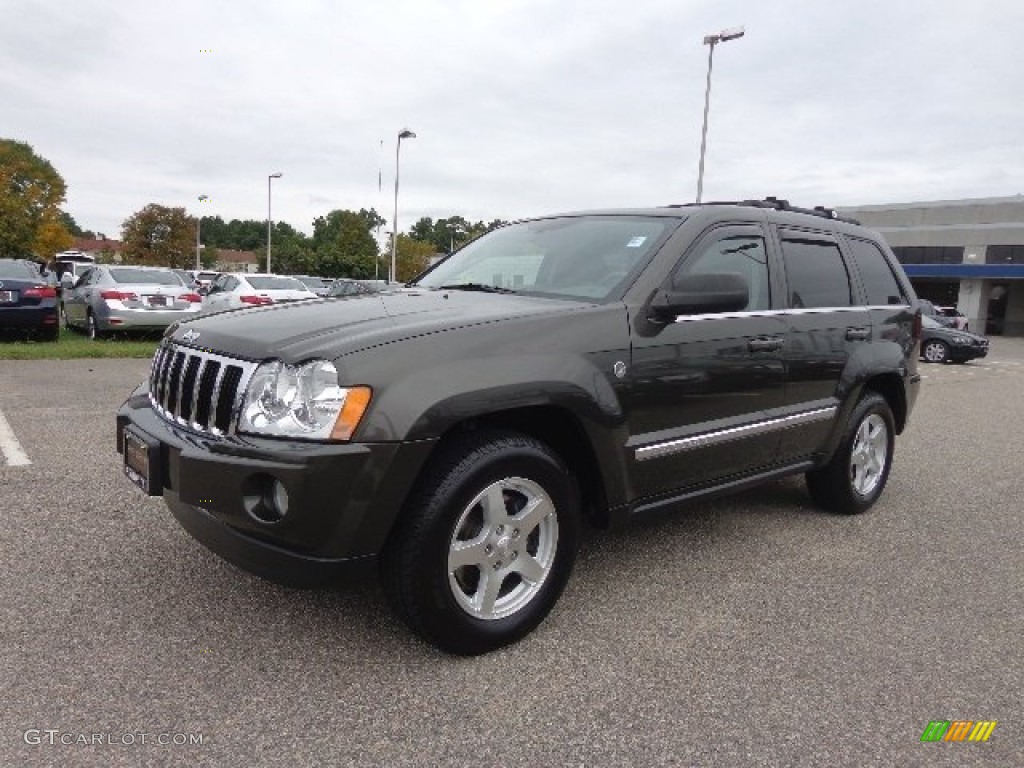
{"x": 777, "y": 204}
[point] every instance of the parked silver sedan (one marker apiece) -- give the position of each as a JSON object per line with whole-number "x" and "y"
{"x": 236, "y": 290}
{"x": 110, "y": 298}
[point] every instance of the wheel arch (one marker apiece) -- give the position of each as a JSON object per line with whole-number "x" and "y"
{"x": 890, "y": 386}
{"x": 560, "y": 430}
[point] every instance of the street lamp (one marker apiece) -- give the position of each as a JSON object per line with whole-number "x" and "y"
{"x": 405, "y": 133}
{"x": 199, "y": 223}
{"x": 711, "y": 41}
{"x": 270, "y": 178}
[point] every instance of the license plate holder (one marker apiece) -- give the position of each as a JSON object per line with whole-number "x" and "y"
{"x": 158, "y": 301}
{"x": 8, "y": 297}
{"x": 142, "y": 462}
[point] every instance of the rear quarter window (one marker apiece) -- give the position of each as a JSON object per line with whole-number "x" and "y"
{"x": 880, "y": 284}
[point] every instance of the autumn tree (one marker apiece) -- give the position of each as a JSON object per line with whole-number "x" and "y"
{"x": 31, "y": 192}
{"x": 411, "y": 257}
{"x": 160, "y": 236}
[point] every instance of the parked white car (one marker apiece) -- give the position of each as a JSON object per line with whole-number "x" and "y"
{"x": 237, "y": 290}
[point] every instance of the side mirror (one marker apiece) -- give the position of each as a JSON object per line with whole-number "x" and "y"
{"x": 701, "y": 294}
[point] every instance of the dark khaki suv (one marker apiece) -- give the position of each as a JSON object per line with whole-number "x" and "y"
{"x": 599, "y": 366}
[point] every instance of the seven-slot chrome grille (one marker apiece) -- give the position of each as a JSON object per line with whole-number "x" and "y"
{"x": 198, "y": 389}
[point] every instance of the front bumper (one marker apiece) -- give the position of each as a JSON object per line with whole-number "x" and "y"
{"x": 343, "y": 498}
{"x": 967, "y": 351}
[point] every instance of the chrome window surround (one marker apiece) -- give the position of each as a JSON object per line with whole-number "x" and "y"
{"x": 670, "y": 447}
{"x": 784, "y": 312}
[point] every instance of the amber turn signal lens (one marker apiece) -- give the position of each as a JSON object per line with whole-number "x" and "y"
{"x": 356, "y": 402}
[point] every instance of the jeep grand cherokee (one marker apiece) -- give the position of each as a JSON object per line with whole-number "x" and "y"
{"x": 596, "y": 366}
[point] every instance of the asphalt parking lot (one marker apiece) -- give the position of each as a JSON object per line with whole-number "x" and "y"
{"x": 752, "y": 631}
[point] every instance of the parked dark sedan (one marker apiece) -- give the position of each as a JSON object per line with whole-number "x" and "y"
{"x": 939, "y": 343}
{"x": 28, "y": 302}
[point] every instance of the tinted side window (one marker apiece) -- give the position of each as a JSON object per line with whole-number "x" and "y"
{"x": 880, "y": 284}
{"x": 815, "y": 273}
{"x": 744, "y": 255}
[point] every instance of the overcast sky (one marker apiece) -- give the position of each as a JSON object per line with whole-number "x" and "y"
{"x": 520, "y": 107}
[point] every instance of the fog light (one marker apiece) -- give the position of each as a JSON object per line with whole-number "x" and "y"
{"x": 280, "y": 498}
{"x": 265, "y": 498}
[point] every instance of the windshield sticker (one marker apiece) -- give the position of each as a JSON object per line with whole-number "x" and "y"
{"x": 636, "y": 242}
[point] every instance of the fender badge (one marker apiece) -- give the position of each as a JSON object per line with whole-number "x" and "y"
{"x": 189, "y": 336}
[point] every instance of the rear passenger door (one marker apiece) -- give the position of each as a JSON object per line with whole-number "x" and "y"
{"x": 825, "y": 328}
{"x": 885, "y": 296}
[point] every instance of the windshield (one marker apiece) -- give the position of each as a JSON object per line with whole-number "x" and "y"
{"x": 145, "y": 276}
{"x": 584, "y": 257}
{"x": 927, "y": 322}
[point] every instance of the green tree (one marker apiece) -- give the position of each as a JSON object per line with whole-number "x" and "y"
{"x": 160, "y": 236}
{"x": 343, "y": 245}
{"x": 71, "y": 225}
{"x": 31, "y": 192}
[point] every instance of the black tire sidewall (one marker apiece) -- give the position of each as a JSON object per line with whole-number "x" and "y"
{"x": 872, "y": 404}
{"x": 440, "y": 617}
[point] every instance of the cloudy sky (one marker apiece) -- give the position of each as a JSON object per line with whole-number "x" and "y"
{"x": 520, "y": 107}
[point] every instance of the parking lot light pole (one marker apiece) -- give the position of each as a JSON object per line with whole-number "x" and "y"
{"x": 270, "y": 220}
{"x": 199, "y": 224}
{"x": 405, "y": 133}
{"x": 711, "y": 41}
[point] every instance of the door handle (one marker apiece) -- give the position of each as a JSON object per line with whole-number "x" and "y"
{"x": 858, "y": 334}
{"x": 769, "y": 344}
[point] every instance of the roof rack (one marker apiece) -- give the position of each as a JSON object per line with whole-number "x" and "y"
{"x": 778, "y": 204}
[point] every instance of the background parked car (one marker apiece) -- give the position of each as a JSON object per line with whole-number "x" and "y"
{"x": 237, "y": 290}
{"x": 318, "y": 285}
{"x": 928, "y": 309}
{"x": 939, "y": 343}
{"x": 203, "y": 278}
{"x": 187, "y": 277}
{"x": 28, "y": 301}
{"x": 120, "y": 298}
{"x": 954, "y": 314}
{"x": 344, "y": 286}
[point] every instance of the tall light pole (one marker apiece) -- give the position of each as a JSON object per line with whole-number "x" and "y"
{"x": 711, "y": 41}
{"x": 270, "y": 220}
{"x": 405, "y": 133}
{"x": 199, "y": 223}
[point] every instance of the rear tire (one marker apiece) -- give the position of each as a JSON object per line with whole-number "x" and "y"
{"x": 855, "y": 477}
{"x": 486, "y": 543}
{"x": 92, "y": 329}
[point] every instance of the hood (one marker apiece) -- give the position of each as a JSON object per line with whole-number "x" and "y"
{"x": 331, "y": 328}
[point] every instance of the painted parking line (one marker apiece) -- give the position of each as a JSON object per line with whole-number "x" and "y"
{"x": 11, "y": 449}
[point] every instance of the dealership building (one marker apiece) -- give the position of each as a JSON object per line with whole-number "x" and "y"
{"x": 967, "y": 254}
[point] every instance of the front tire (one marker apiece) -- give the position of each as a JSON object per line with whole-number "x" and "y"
{"x": 855, "y": 477}
{"x": 486, "y": 543}
{"x": 935, "y": 351}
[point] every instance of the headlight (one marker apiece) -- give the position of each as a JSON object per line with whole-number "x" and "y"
{"x": 960, "y": 340}
{"x": 302, "y": 401}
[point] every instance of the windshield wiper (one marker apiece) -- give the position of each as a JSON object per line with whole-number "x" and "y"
{"x": 482, "y": 287}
